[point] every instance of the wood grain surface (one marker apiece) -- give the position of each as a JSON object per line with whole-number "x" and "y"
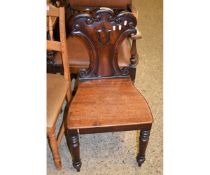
{"x": 106, "y": 103}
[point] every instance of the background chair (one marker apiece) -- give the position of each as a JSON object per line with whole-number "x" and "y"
{"x": 79, "y": 55}
{"x": 58, "y": 86}
{"x": 106, "y": 99}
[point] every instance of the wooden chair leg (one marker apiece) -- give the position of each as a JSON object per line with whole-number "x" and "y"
{"x": 143, "y": 141}
{"x": 62, "y": 128}
{"x": 73, "y": 144}
{"x": 61, "y": 132}
{"x": 54, "y": 148}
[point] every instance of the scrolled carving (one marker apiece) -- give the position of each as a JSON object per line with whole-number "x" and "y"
{"x": 89, "y": 21}
{"x": 76, "y": 27}
{"x": 85, "y": 73}
{"x": 125, "y": 71}
{"x": 103, "y": 32}
{"x": 131, "y": 24}
{"x": 104, "y": 12}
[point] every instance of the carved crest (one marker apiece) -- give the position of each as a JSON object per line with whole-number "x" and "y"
{"x": 103, "y": 36}
{"x": 103, "y": 32}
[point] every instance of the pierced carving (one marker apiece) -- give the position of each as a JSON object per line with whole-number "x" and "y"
{"x": 103, "y": 32}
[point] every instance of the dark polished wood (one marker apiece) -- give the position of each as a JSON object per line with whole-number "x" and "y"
{"x": 133, "y": 60}
{"x": 73, "y": 144}
{"x": 106, "y": 99}
{"x": 143, "y": 141}
{"x": 103, "y": 32}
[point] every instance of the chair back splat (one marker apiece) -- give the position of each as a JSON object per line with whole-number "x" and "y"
{"x": 103, "y": 32}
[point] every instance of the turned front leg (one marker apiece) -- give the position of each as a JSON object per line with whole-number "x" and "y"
{"x": 73, "y": 144}
{"x": 143, "y": 141}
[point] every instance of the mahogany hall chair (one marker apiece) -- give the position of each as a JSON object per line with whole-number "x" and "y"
{"x": 106, "y": 99}
{"x": 58, "y": 86}
{"x": 79, "y": 51}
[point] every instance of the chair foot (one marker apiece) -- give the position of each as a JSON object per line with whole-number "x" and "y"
{"x": 73, "y": 144}
{"x": 55, "y": 151}
{"x": 58, "y": 164}
{"x": 143, "y": 141}
{"x": 140, "y": 160}
{"x": 77, "y": 165}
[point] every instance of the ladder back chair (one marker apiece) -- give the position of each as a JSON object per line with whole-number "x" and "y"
{"x": 58, "y": 86}
{"x": 106, "y": 99}
{"x": 77, "y": 59}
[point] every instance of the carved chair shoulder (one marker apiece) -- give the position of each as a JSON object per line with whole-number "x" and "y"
{"x": 103, "y": 32}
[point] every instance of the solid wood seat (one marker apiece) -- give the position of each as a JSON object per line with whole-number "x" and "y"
{"x": 78, "y": 54}
{"x": 56, "y": 92}
{"x": 108, "y": 103}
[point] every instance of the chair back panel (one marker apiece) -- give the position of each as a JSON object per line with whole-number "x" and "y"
{"x": 103, "y": 32}
{"x": 52, "y": 13}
